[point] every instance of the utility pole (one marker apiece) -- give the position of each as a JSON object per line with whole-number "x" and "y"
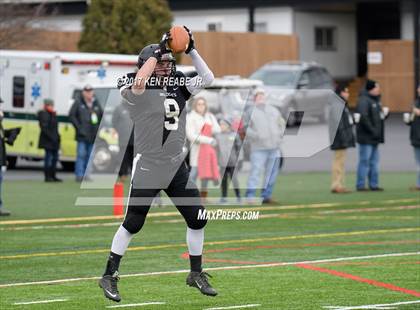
{"x": 251, "y": 13}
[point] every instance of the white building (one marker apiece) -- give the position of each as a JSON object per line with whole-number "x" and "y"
{"x": 331, "y": 32}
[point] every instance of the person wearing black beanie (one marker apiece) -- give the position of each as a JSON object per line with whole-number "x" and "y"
{"x": 370, "y": 133}
{"x": 370, "y": 84}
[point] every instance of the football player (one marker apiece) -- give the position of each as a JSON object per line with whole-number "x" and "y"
{"x": 158, "y": 110}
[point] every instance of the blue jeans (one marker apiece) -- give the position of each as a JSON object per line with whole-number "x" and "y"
{"x": 368, "y": 166}
{"x": 417, "y": 156}
{"x": 84, "y": 149}
{"x": 50, "y": 159}
{"x": 267, "y": 162}
{"x": 193, "y": 174}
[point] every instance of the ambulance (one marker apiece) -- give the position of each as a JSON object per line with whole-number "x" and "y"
{"x": 28, "y": 77}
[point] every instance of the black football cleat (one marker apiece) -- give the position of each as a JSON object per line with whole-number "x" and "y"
{"x": 109, "y": 286}
{"x": 200, "y": 281}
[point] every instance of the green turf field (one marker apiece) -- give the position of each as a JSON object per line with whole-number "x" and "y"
{"x": 314, "y": 250}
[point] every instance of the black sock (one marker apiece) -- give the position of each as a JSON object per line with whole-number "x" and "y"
{"x": 113, "y": 264}
{"x": 195, "y": 263}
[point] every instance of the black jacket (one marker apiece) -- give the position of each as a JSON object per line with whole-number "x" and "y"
{"x": 344, "y": 137}
{"x": 415, "y": 127}
{"x": 49, "y": 137}
{"x": 6, "y": 136}
{"x": 81, "y": 118}
{"x": 3, "y": 139}
{"x": 370, "y": 129}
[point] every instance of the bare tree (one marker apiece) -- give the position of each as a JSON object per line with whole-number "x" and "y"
{"x": 16, "y": 24}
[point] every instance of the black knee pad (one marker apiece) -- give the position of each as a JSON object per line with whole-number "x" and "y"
{"x": 197, "y": 224}
{"x": 134, "y": 220}
{"x": 192, "y": 219}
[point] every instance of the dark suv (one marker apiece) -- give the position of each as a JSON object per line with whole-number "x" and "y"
{"x": 296, "y": 86}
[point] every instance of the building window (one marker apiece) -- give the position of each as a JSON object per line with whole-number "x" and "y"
{"x": 214, "y": 27}
{"x": 325, "y": 38}
{"x": 18, "y": 91}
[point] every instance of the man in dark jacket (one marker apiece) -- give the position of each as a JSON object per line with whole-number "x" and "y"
{"x": 342, "y": 137}
{"x": 49, "y": 139}
{"x": 85, "y": 115}
{"x": 6, "y": 136}
{"x": 370, "y": 132}
{"x": 415, "y": 135}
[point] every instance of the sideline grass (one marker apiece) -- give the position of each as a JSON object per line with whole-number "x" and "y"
{"x": 284, "y": 287}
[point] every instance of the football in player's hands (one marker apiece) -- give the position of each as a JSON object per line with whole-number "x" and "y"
{"x": 191, "y": 43}
{"x": 179, "y": 39}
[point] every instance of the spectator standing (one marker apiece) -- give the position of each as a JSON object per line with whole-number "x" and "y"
{"x": 264, "y": 130}
{"x": 49, "y": 140}
{"x": 85, "y": 115}
{"x": 6, "y": 136}
{"x": 200, "y": 128}
{"x": 123, "y": 124}
{"x": 370, "y": 133}
{"x": 229, "y": 146}
{"x": 342, "y": 137}
{"x": 414, "y": 121}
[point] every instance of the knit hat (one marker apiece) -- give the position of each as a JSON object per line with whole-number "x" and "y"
{"x": 87, "y": 87}
{"x": 370, "y": 84}
{"x": 48, "y": 101}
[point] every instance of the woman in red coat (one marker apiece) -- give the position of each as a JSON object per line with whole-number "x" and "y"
{"x": 202, "y": 125}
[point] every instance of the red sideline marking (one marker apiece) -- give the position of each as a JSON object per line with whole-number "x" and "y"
{"x": 372, "y": 264}
{"x": 359, "y": 279}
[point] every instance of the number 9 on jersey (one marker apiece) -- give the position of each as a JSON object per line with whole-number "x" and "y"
{"x": 171, "y": 114}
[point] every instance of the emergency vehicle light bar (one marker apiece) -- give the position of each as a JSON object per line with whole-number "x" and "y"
{"x": 98, "y": 62}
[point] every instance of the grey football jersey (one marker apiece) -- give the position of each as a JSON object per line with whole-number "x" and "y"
{"x": 159, "y": 117}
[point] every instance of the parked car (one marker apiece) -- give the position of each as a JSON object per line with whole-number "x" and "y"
{"x": 227, "y": 95}
{"x": 296, "y": 86}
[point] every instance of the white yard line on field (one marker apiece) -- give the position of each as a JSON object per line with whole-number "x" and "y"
{"x": 234, "y": 307}
{"x": 157, "y": 273}
{"x": 241, "y": 208}
{"x": 377, "y": 306}
{"x": 38, "y": 302}
{"x": 220, "y": 242}
{"x": 179, "y": 218}
{"x": 75, "y": 226}
{"x": 139, "y": 304}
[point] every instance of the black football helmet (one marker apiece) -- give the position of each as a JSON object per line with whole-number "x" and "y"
{"x": 148, "y": 51}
